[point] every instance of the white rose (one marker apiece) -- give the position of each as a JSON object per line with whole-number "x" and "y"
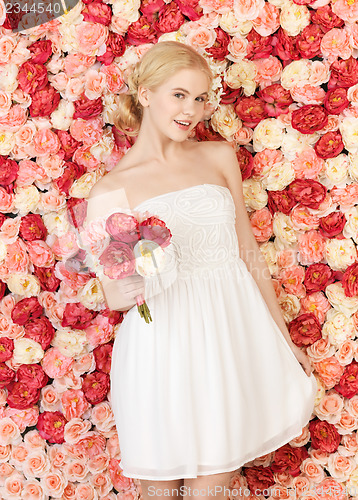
{"x": 70, "y": 343}
{"x": 110, "y": 104}
{"x": 26, "y": 199}
{"x": 102, "y": 149}
{"x": 335, "y": 172}
{"x": 338, "y": 327}
{"x": 62, "y": 117}
{"x": 353, "y": 166}
{"x": 295, "y": 143}
{"x": 68, "y": 40}
{"x": 3, "y": 250}
{"x": 25, "y": 285}
{"x": 242, "y": 74}
{"x": 57, "y": 222}
{"x": 82, "y": 186}
{"x": 127, "y": 9}
{"x": 279, "y": 176}
{"x": 8, "y": 77}
{"x": 225, "y": 121}
{"x": 269, "y": 133}
{"x": 269, "y": 251}
{"x": 296, "y": 73}
{"x": 278, "y": 3}
{"x": 284, "y": 231}
{"x": 254, "y": 194}
{"x": 350, "y": 229}
{"x": 7, "y": 142}
{"x": 337, "y": 298}
{"x": 234, "y": 26}
{"x": 320, "y": 72}
{"x": 27, "y": 351}
{"x": 349, "y": 130}
{"x": 290, "y": 306}
{"x": 91, "y": 294}
{"x": 294, "y": 18}
{"x": 340, "y": 253}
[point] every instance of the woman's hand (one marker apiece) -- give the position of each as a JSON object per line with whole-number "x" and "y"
{"x": 303, "y": 359}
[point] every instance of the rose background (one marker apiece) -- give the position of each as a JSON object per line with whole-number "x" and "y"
{"x": 285, "y": 96}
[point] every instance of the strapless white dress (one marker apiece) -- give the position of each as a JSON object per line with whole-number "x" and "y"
{"x": 211, "y": 383}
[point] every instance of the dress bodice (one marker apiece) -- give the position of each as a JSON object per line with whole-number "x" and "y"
{"x": 202, "y": 221}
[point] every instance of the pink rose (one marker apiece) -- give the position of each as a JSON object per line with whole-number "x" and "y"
{"x": 74, "y": 404}
{"x": 311, "y": 246}
{"x": 41, "y": 50}
{"x": 97, "y": 12}
{"x": 51, "y": 426}
{"x": 55, "y": 364}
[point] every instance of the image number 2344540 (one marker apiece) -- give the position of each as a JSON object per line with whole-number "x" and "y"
{"x": 24, "y": 14}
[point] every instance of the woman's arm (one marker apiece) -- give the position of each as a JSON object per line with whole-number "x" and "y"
{"x": 249, "y": 249}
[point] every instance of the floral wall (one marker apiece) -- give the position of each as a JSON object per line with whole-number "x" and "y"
{"x": 285, "y": 96}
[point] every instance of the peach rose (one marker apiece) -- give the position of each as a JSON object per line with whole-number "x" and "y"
{"x": 330, "y": 407}
{"x": 329, "y": 371}
{"x": 311, "y": 247}
{"x": 25, "y": 134}
{"x": 346, "y": 424}
{"x": 59, "y": 81}
{"x": 317, "y": 304}
{"x": 102, "y": 482}
{"x": 286, "y": 258}
{"x": 308, "y": 94}
{"x": 237, "y": 48}
{"x": 5, "y": 453}
{"x": 112, "y": 446}
{"x": 58, "y": 456}
{"x": 19, "y": 454}
{"x": 34, "y": 441}
{"x": 75, "y": 429}
{"x": 349, "y": 441}
{"x": 269, "y": 70}
{"x": 50, "y": 399}
{"x": 46, "y": 142}
{"x": 90, "y": 36}
{"x": 6, "y": 202}
{"x": 302, "y": 218}
{"x": 5, "y": 101}
{"x": 13, "y": 485}
{"x": 248, "y": 10}
{"x": 36, "y": 464}
{"x": 84, "y": 157}
{"x": 10, "y": 229}
{"x": 99, "y": 463}
{"x": 76, "y": 470}
{"x": 95, "y": 83}
{"x": 291, "y": 278}
{"x": 319, "y": 72}
{"x": 346, "y": 10}
{"x": 102, "y": 417}
{"x": 346, "y": 351}
{"x": 335, "y": 43}
{"x": 83, "y": 364}
{"x": 17, "y": 259}
{"x": 29, "y": 171}
{"x": 53, "y": 483}
{"x": 55, "y": 364}
{"x": 85, "y": 492}
{"x": 74, "y": 88}
{"x": 40, "y": 253}
{"x": 243, "y": 135}
{"x": 13, "y": 120}
{"x": 307, "y": 165}
{"x": 52, "y": 200}
{"x": 200, "y": 37}
{"x": 91, "y": 444}
{"x": 9, "y": 432}
{"x": 268, "y": 20}
{"x": 74, "y": 404}
{"x": 32, "y": 490}
{"x": 51, "y": 165}
{"x": 77, "y": 63}
{"x": 114, "y": 81}
{"x": 87, "y": 131}
{"x": 7, "y": 44}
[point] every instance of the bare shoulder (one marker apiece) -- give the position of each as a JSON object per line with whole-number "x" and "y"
{"x": 222, "y": 156}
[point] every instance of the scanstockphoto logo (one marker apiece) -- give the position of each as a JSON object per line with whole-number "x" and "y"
{"x": 20, "y": 15}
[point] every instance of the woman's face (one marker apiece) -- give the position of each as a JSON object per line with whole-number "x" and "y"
{"x": 181, "y": 98}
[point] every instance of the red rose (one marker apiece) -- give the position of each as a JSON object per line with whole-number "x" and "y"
{"x": 8, "y": 171}
{"x": 349, "y": 280}
{"x": 348, "y": 383}
{"x": 32, "y": 227}
{"x": 155, "y": 229}
{"x": 246, "y": 162}
{"x": 308, "y": 192}
{"x": 309, "y": 118}
{"x": 336, "y": 101}
{"x": 103, "y": 357}
{"x": 41, "y": 330}
{"x": 114, "y": 317}
{"x": 97, "y": 12}
{"x": 123, "y": 227}
{"x": 2, "y": 289}
{"x": 6, "y": 348}
{"x": 324, "y": 436}
{"x": 326, "y": 18}
{"x": 259, "y": 47}
{"x": 219, "y": 50}
{"x": 76, "y": 315}
{"x": 68, "y": 143}
{"x": 95, "y": 386}
{"x": 47, "y": 278}
{"x": 76, "y": 211}
{"x": 190, "y": 9}
{"x": 44, "y": 101}
{"x": 32, "y": 375}
{"x": 229, "y": 95}
{"x": 289, "y": 459}
{"x": 115, "y": 48}
{"x": 317, "y": 277}
{"x": 280, "y": 201}
{"x": 258, "y": 477}
{"x": 329, "y": 145}
{"x": 277, "y": 99}
{"x": 285, "y": 47}
{"x": 72, "y": 172}
{"x": 118, "y": 260}
{"x": 332, "y": 224}
{"x": 170, "y": 18}
{"x": 141, "y": 31}
{"x": 6, "y": 375}
{"x": 203, "y": 133}
{"x": 32, "y": 76}
{"x": 51, "y": 426}
{"x": 41, "y": 50}
{"x": 21, "y": 396}
{"x": 251, "y": 111}
{"x": 25, "y": 309}
{"x": 305, "y": 330}
{"x": 2, "y": 219}
{"x": 87, "y": 108}
{"x": 344, "y": 73}
{"x": 309, "y": 41}
{"x": 149, "y": 7}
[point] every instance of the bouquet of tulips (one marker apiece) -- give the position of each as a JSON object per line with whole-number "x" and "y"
{"x": 121, "y": 244}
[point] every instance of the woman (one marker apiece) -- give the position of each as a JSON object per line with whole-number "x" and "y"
{"x": 214, "y": 380}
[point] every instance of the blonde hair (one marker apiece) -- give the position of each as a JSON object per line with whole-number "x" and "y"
{"x": 161, "y": 61}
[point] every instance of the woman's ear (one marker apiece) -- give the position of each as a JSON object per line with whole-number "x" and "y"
{"x": 143, "y": 95}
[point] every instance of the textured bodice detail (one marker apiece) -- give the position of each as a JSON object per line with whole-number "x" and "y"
{"x": 202, "y": 221}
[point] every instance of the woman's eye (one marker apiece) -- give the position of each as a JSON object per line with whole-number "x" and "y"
{"x": 202, "y": 99}
{"x": 177, "y": 94}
